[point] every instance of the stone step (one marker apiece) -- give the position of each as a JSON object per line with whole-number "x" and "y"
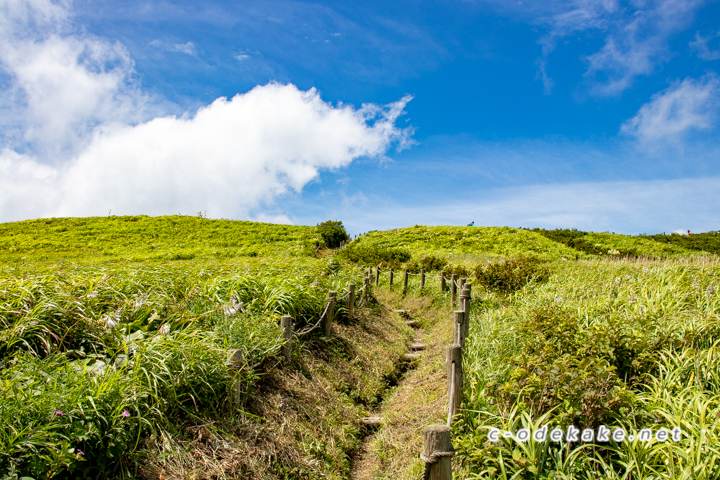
{"x": 418, "y": 346}
{"x": 372, "y": 420}
{"x": 411, "y": 356}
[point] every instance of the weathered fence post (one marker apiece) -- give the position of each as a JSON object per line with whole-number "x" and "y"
{"x": 366, "y": 293}
{"x": 405, "y": 280}
{"x": 286, "y": 323}
{"x": 455, "y": 379}
{"x": 377, "y": 275}
{"x": 461, "y": 282}
{"x": 329, "y": 315}
{"x": 459, "y": 327}
{"x": 453, "y": 290}
{"x": 443, "y": 287}
{"x": 351, "y": 299}
{"x": 422, "y": 279}
{"x": 391, "y": 279}
{"x": 437, "y": 453}
{"x": 465, "y": 296}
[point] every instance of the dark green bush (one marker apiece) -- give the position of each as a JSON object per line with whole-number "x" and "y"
{"x": 508, "y": 276}
{"x": 333, "y": 233}
{"x": 562, "y": 364}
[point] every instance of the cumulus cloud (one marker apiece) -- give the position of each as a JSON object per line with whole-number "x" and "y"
{"x": 687, "y": 105}
{"x": 80, "y": 137}
{"x": 60, "y": 84}
{"x": 233, "y": 156}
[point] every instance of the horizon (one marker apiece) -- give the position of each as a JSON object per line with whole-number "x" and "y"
{"x": 590, "y": 114}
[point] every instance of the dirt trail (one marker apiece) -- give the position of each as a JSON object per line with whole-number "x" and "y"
{"x": 391, "y": 448}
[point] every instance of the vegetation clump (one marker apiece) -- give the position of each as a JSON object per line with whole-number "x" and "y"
{"x": 507, "y": 276}
{"x": 333, "y": 233}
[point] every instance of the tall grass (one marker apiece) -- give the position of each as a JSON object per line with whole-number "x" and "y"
{"x": 624, "y": 344}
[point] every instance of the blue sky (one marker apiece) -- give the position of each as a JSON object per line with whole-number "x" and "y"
{"x": 599, "y": 115}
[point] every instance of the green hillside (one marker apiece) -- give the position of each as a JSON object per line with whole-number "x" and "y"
{"x": 143, "y": 238}
{"x": 602, "y": 244}
{"x": 468, "y": 243}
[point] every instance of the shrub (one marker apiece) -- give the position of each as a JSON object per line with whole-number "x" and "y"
{"x": 508, "y": 276}
{"x": 333, "y": 233}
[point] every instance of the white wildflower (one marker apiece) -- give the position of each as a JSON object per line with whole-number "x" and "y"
{"x": 164, "y": 329}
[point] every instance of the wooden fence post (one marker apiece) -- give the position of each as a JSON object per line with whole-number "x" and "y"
{"x": 459, "y": 327}
{"x": 286, "y": 322}
{"x": 437, "y": 453}
{"x": 453, "y": 290}
{"x": 465, "y": 296}
{"x": 351, "y": 299}
{"x": 329, "y": 315}
{"x": 391, "y": 279}
{"x": 405, "y": 282}
{"x": 422, "y": 279}
{"x": 366, "y": 293}
{"x": 443, "y": 287}
{"x": 377, "y": 275}
{"x": 455, "y": 378}
{"x": 461, "y": 283}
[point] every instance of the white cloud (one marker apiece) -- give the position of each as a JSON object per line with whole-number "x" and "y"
{"x": 61, "y": 84}
{"x": 690, "y": 104}
{"x": 74, "y": 94}
{"x": 186, "y": 48}
{"x": 232, "y": 157}
{"x": 704, "y": 51}
{"x": 636, "y": 35}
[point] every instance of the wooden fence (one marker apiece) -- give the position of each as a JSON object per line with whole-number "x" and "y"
{"x": 437, "y": 453}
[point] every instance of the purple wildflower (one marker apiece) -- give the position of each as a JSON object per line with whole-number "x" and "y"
{"x": 80, "y": 452}
{"x": 58, "y": 412}
{"x": 125, "y": 413}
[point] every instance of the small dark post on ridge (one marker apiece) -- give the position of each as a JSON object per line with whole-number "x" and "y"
{"x": 377, "y": 275}
{"x": 465, "y": 296}
{"x": 391, "y": 278}
{"x": 329, "y": 315}
{"x": 422, "y": 279}
{"x": 287, "y": 327}
{"x": 351, "y": 299}
{"x": 405, "y": 280}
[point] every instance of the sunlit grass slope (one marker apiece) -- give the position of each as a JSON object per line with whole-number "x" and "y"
{"x": 612, "y": 244}
{"x": 114, "y": 342}
{"x": 143, "y": 238}
{"x": 622, "y": 344}
{"x": 466, "y": 243}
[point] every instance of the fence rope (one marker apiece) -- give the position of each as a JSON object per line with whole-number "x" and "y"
{"x": 308, "y": 330}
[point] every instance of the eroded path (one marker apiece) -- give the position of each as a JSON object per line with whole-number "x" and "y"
{"x": 391, "y": 449}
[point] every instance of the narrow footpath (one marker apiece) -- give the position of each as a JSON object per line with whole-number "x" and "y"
{"x": 391, "y": 448}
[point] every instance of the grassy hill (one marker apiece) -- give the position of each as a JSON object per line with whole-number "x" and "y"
{"x": 143, "y": 238}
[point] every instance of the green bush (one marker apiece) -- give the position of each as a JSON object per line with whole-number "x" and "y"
{"x": 508, "y": 276}
{"x": 333, "y": 233}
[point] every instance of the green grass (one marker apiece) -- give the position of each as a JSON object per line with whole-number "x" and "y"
{"x": 616, "y": 245}
{"x": 141, "y": 238}
{"x": 630, "y": 345}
